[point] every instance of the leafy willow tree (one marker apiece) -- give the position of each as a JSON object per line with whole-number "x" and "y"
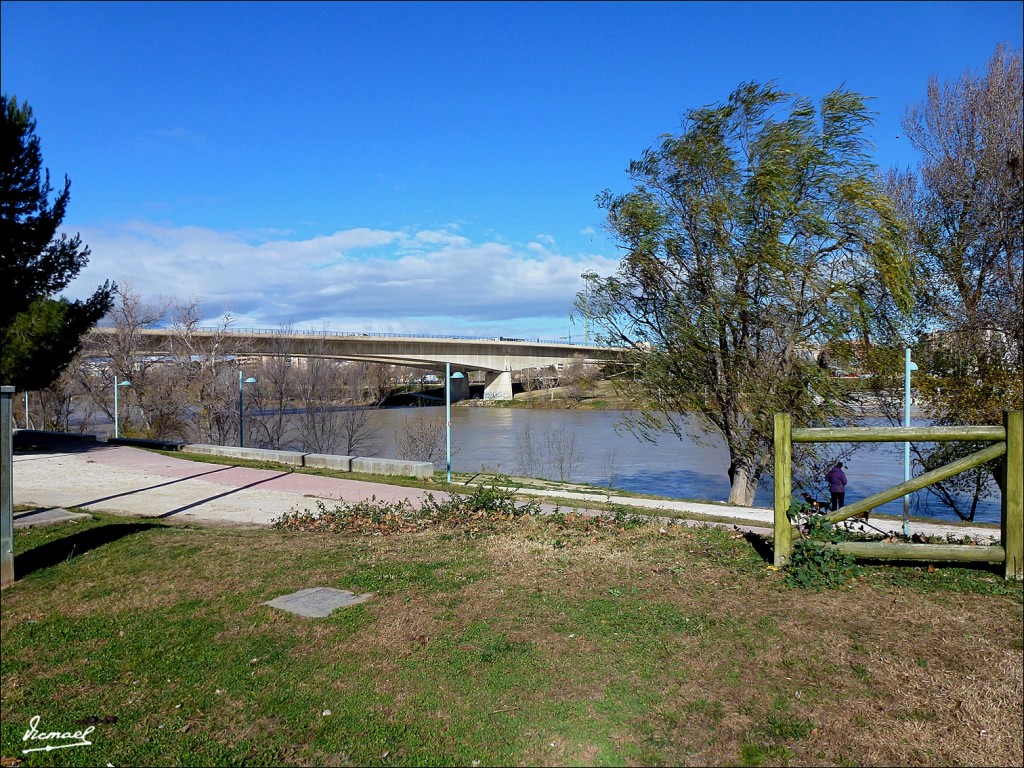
{"x": 965, "y": 205}
{"x": 757, "y": 247}
{"x": 39, "y": 335}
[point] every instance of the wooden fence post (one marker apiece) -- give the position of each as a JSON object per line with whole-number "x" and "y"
{"x": 783, "y": 487}
{"x": 1013, "y": 495}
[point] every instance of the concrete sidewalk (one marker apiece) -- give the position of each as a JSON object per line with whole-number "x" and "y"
{"x": 125, "y": 480}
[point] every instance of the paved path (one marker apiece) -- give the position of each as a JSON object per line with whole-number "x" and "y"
{"x": 126, "y": 480}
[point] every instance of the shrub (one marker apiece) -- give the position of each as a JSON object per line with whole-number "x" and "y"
{"x": 815, "y": 566}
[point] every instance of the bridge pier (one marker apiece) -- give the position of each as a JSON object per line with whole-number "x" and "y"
{"x": 499, "y": 385}
{"x": 460, "y": 388}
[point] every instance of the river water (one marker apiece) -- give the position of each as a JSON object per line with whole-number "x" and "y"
{"x": 493, "y": 439}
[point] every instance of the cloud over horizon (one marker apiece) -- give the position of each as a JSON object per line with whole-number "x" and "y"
{"x": 356, "y": 279}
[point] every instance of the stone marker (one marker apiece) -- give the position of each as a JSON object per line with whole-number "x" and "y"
{"x": 317, "y": 602}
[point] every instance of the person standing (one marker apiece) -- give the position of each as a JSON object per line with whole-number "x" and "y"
{"x": 836, "y": 480}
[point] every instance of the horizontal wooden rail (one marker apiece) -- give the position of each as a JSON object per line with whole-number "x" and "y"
{"x": 898, "y": 434}
{"x": 932, "y": 553}
{"x": 919, "y": 482}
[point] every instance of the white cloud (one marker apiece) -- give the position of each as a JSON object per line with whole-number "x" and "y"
{"x": 428, "y": 281}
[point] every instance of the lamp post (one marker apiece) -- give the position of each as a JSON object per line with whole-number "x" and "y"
{"x": 241, "y": 429}
{"x": 448, "y": 376}
{"x": 118, "y": 385}
{"x": 908, "y": 366}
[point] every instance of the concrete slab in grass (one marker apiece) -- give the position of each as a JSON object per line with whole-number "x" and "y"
{"x": 317, "y": 602}
{"x": 42, "y": 516}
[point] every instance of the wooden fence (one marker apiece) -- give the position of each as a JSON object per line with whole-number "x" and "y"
{"x": 1006, "y": 443}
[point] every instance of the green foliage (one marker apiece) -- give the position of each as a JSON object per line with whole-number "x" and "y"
{"x": 473, "y": 513}
{"x": 38, "y": 336}
{"x": 42, "y": 339}
{"x": 820, "y": 528}
{"x": 815, "y": 566}
{"x": 754, "y": 240}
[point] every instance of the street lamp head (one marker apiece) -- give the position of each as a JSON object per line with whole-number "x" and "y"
{"x": 458, "y": 375}
{"x": 250, "y": 380}
{"x": 124, "y": 383}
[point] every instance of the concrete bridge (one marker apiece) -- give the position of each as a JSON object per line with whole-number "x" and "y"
{"x": 497, "y": 358}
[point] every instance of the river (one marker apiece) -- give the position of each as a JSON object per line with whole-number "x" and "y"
{"x": 492, "y": 439}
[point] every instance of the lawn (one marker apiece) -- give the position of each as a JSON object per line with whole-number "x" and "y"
{"x": 497, "y": 641}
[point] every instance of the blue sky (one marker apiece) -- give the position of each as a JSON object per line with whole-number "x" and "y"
{"x": 425, "y": 167}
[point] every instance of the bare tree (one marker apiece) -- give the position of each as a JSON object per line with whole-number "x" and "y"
{"x": 356, "y": 430}
{"x": 120, "y": 346}
{"x": 556, "y": 454}
{"x": 379, "y": 379}
{"x": 563, "y": 453}
{"x": 65, "y": 397}
{"x": 965, "y": 203}
{"x": 319, "y": 424}
{"x": 421, "y": 436}
{"x": 206, "y": 373}
{"x": 274, "y": 393}
{"x": 528, "y": 461}
{"x": 531, "y": 379}
{"x": 575, "y": 379}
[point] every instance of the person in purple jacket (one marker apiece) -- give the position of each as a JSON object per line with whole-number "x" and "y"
{"x": 836, "y": 480}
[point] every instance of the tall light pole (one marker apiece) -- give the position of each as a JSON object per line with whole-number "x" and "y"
{"x": 448, "y": 376}
{"x": 241, "y": 430}
{"x": 117, "y": 386}
{"x": 908, "y": 366}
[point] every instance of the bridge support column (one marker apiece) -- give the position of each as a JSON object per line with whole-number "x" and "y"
{"x": 460, "y": 388}
{"x": 499, "y": 385}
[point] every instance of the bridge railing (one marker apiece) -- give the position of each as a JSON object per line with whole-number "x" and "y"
{"x": 347, "y": 334}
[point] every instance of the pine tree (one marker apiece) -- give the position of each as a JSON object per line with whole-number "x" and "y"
{"x": 39, "y": 334}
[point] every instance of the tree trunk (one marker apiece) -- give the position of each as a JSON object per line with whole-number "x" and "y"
{"x": 742, "y": 483}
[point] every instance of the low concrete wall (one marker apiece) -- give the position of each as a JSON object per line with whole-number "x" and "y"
{"x": 420, "y": 469}
{"x": 423, "y": 470}
{"x": 294, "y": 458}
{"x": 328, "y": 461}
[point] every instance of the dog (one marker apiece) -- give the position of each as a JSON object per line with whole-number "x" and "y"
{"x": 819, "y": 507}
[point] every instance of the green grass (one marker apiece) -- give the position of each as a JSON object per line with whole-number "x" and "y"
{"x": 522, "y": 642}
